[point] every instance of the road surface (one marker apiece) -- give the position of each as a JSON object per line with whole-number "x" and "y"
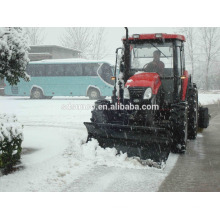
{"x": 199, "y": 169}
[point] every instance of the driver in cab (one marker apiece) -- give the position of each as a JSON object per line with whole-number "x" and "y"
{"x": 156, "y": 65}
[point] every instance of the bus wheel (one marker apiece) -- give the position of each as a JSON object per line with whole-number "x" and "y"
{"x": 94, "y": 94}
{"x": 36, "y": 94}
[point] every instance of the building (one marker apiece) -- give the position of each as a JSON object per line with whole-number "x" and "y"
{"x": 42, "y": 52}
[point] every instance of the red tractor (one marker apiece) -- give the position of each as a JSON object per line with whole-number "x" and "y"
{"x": 157, "y": 101}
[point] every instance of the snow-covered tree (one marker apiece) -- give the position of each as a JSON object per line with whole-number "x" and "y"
{"x": 13, "y": 55}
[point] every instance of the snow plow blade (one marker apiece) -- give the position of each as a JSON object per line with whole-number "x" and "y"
{"x": 137, "y": 141}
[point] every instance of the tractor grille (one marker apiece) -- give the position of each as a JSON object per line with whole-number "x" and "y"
{"x": 14, "y": 90}
{"x": 137, "y": 93}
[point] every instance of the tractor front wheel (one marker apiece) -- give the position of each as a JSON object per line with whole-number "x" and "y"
{"x": 193, "y": 112}
{"x": 179, "y": 119}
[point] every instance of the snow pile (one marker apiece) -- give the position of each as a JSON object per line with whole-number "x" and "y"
{"x": 10, "y": 128}
{"x": 91, "y": 152}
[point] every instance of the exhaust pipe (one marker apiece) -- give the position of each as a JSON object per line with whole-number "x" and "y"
{"x": 127, "y": 58}
{"x": 126, "y": 29}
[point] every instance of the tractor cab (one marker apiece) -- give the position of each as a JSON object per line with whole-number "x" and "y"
{"x": 155, "y": 54}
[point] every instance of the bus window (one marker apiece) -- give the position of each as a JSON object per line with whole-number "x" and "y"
{"x": 40, "y": 70}
{"x": 36, "y": 70}
{"x": 30, "y": 70}
{"x": 90, "y": 69}
{"x": 73, "y": 70}
{"x": 54, "y": 70}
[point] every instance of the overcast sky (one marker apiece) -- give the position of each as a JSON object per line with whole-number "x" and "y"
{"x": 112, "y": 37}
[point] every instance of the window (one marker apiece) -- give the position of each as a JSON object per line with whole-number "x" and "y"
{"x": 29, "y": 70}
{"x": 179, "y": 61}
{"x": 90, "y": 69}
{"x": 142, "y": 56}
{"x": 54, "y": 69}
{"x": 73, "y": 70}
{"x": 105, "y": 72}
{"x": 36, "y": 70}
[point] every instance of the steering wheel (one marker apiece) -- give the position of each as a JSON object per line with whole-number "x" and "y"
{"x": 145, "y": 66}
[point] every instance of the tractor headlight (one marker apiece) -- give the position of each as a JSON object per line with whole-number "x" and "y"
{"x": 126, "y": 93}
{"x": 148, "y": 93}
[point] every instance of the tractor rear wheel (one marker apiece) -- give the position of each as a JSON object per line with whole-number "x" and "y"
{"x": 179, "y": 127}
{"x": 193, "y": 112}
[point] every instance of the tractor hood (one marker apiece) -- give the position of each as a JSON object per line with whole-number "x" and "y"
{"x": 145, "y": 79}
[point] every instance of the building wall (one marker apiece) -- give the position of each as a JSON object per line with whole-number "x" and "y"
{"x": 51, "y": 52}
{"x": 59, "y": 53}
{"x": 37, "y": 57}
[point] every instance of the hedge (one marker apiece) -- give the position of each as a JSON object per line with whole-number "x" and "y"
{"x": 11, "y": 137}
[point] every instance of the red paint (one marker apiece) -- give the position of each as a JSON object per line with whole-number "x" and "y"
{"x": 185, "y": 83}
{"x": 153, "y": 37}
{"x": 145, "y": 80}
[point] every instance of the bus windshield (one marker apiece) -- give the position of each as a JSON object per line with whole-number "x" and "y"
{"x": 106, "y": 72}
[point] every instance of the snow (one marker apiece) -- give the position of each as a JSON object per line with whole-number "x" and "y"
{"x": 71, "y": 60}
{"x": 36, "y": 86}
{"x": 210, "y": 98}
{"x": 56, "y": 156}
{"x": 10, "y": 128}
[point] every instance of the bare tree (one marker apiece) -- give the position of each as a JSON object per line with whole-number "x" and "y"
{"x": 90, "y": 41}
{"x": 191, "y": 46}
{"x": 210, "y": 44}
{"x": 35, "y": 34}
{"x": 79, "y": 38}
{"x": 98, "y": 50}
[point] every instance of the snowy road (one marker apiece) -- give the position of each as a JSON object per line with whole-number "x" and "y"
{"x": 116, "y": 179}
{"x": 56, "y": 157}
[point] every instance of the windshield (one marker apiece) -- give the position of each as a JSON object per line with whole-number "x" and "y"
{"x": 152, "y": 57}
{"x": 106, "y": 72}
